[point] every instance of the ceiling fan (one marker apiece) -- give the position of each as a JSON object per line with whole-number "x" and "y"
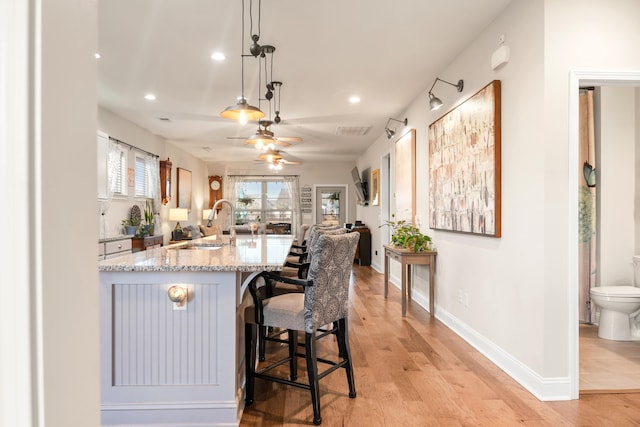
{"x": 264, "y": 137}
{"x": 275, "y": 157}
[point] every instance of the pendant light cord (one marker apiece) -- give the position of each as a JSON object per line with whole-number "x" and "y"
{"x": 242, "y": 52}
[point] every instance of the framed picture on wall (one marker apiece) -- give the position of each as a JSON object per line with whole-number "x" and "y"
{"x": 405, "y": 177}
{"x": 375, "y": 187}
{"x": 464, "y": 166}
{"x": 183, "y": 191}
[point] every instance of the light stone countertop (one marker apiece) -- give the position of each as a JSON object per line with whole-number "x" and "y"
{"x": 261, "y": 253}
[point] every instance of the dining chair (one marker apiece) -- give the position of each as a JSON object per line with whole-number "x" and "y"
{"x": 321, "y": 311}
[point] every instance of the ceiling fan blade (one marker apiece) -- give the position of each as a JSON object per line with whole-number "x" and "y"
{"x": 289, "y": 138}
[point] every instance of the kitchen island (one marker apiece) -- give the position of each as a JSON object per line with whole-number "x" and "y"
{"x": 167, "y": 363}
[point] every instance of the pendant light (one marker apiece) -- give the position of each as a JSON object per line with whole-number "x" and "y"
{"x": 241, "y": 110}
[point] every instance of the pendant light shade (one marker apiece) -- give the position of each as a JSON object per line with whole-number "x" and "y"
{"x": 242, "y": 111}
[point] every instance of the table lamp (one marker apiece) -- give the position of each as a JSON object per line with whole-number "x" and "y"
{"x": 178, "y": 214}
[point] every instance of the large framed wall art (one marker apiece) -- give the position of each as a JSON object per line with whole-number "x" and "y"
{"x": 405, "y": 177}
{"x": 464, "y": 166}
{"x": 184, "y": 189}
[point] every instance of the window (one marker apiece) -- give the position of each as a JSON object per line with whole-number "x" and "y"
{"x": 265, "y": 201}
{"x": 142, "y": 178}
{"x": 117, "y": 170}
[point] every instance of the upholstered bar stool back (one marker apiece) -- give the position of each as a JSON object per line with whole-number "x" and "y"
{"x": 325, "y": 301}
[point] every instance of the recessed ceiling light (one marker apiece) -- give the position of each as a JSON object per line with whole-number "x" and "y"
{"x": 150, "y": 97}
{"x": 354, "y": 99}
{"x": 218, "y": 56}
{"x": 97, "y": 55}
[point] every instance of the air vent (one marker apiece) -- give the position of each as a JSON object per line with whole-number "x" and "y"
{"x": 352, "y": 130}
{"x": 164, "y": 119}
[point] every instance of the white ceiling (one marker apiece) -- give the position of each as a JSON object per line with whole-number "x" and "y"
{"x": 385, "y": 52}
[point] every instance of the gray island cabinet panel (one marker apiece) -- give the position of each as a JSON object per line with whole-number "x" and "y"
{"x": 163, "y": 364}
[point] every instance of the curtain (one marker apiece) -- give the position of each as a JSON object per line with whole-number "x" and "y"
{"x": 587, "y": 213}
{"x": 292, "y": 183}
{"x": 153, "y": 178}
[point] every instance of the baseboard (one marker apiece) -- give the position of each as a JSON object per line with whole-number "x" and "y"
{"x": 163, "y": 414}
{"x": 543, "y": 388}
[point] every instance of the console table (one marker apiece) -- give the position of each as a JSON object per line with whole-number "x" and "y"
{"x": 408, "y": 258}
{"x": 146, "y": 242}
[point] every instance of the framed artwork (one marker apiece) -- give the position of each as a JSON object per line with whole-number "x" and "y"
{"x": 183, "y": 192}
{"x": 405, "y": 177}
{"x": 375, "y": 187}
{"x": 131, "y": 177}
{"x": 464, "y": 166}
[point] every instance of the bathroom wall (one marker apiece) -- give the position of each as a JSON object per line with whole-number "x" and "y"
{"x": 616, "y": 185}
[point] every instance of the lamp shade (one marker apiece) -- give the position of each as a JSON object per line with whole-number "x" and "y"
{"x": 178, "y": 214}
{"x": 242, "y": 111}
{"x": 434, "y": 102}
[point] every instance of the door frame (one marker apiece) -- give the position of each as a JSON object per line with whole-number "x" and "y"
{"x": 346, "y": 198}
{"x": 579, "y": 78}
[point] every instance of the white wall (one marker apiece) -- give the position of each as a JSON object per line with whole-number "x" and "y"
{"x": 49, "y": 348}
{"x": 578, "y": 36}
{"x": 616, "y": 189}
{"x": 518, "y": 285}
{"x": 636, "y": 212}
{"x": 126, "y": 131}
{"x": 501, "y": 276}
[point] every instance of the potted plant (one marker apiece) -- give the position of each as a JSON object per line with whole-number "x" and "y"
{"x": 132, "y": 223}
{"x": 147, "y": 229}
{"x": 407, "y": 236}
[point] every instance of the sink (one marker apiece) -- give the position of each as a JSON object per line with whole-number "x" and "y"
{"x": 206, "y": 246}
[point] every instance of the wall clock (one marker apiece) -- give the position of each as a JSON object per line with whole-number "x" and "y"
{"x": 215, "y": 189}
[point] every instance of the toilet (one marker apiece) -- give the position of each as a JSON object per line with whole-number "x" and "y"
{"x": 619, "y": 308}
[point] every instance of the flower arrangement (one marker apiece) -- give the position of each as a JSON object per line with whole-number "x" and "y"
{"x": 407, "y": 236}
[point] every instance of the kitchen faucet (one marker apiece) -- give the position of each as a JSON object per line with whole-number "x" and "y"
{"x": 213, "y": 212}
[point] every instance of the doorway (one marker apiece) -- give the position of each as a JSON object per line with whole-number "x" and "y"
{"x": 331, "y": 205}
{"x": 580, "y": 79}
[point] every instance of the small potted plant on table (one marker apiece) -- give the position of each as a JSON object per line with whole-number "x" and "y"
{"x": 407, "y": 236}
{"x": 132, "y": 223}
{"x": 147, "y": 229}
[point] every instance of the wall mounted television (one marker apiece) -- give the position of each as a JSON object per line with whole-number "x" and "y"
{"x": 362, "y": 192}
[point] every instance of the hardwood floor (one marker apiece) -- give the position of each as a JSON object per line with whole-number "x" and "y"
{"x": 414, "y": 371}
{"x": 608, "y": 366}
